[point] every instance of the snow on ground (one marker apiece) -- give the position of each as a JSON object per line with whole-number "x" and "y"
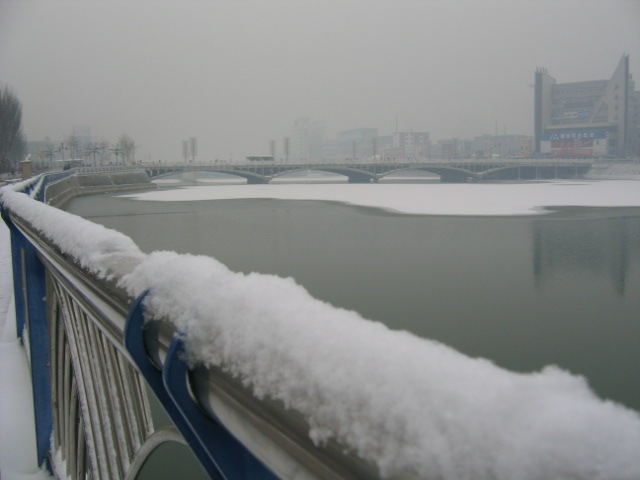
{"x": 429, "y": 198}
{"x": 405, "y": 403}
{"x": 18, "y": 460}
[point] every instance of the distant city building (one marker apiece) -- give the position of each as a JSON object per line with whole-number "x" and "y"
{"x": 593, "y": 118}
{"x": 385, "y": 149}
{"x": 452, "y": 148}
{"x": 358, "y": 144}
{"x": 636, "y": 120}
{"x": 410, "y": 145}
{"x": 307, "y": 140}
{"x": 82, "y": 135}
{"x": 329, "y": 150}
{"x": 488, "y": 146}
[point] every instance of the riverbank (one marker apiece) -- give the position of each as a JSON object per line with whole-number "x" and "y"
{"x": 614, "y": 171}
{"x": 62, "y": 191}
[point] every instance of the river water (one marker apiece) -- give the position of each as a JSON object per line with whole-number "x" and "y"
{"x": 523, "y": 291}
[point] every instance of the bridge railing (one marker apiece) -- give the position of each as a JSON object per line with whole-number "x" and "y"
{"x": 99, "y": 364}
{"x": 460, "y": 170}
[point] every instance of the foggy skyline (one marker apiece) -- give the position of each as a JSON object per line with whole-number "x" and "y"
{"x": 236, "y": 74}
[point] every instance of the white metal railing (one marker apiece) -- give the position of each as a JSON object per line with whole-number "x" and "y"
{"x": 97, "y": 362}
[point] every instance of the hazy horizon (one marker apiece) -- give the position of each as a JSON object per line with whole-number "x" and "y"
{"x": 236, "y": 74}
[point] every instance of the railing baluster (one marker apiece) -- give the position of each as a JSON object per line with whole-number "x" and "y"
{"x": 83, "y": 378}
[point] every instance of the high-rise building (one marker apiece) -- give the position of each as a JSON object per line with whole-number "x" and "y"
{"x": 413, "y": 145}
{"x": 307, "y": 140}
{"x": 594, "y": 118}
{"x": 82, "y": 136}
{"x": 356, "y": 144}
{"x": 488, "y": 146}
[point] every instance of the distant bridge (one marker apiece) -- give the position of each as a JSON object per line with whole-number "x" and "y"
{"x": 453, "y": 171}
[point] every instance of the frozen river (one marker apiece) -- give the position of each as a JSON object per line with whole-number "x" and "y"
{"x": 481, "y": 268}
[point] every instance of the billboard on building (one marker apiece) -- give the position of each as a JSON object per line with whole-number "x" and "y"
{"x": 575, "y": 143}
{"x": 590, "y": 134}
{"x": 572, "y": 148}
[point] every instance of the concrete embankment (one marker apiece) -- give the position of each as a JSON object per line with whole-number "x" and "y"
{"x": 614, "y": 171}
{"x": 90, "y": 183}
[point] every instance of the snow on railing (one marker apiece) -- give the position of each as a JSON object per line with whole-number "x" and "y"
{"x": 411, "y": 407}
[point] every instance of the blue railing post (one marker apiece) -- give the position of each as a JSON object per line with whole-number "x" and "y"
{"x": 134, "y": 343}
{"x": 39, "y": 350}
{"x": 219, "y": 452}
{"x": 231, "y": 457}
{"x": 29, "y": 286}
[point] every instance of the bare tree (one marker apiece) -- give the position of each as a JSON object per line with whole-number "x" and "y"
{"x": 105, "y": 153}
{"x": 72, "y": 144}
{"x": 127, "y": 146}
{"x": 18, "y": 151}
{"x": 12, "y": 140}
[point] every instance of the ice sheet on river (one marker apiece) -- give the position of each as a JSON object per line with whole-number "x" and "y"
{"x": 432, "y": 198}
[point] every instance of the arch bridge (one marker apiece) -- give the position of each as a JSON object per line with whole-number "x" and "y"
{"x": 454, "y": 171}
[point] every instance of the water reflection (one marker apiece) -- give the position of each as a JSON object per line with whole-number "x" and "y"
{"x": 602, "y": 247}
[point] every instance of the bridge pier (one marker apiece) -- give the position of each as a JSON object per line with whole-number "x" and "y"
{"x": 256, "y": 181}
{"x": 362, "y": 179}
{"x": 458, "y": 179}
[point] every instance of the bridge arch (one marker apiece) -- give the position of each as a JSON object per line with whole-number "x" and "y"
{"x": 533, "y": 171}
{"x": 450, "y": 174}
{"x": 252, "y": 178}
{"x": 260, "y": 174}
{"x": 298, "y": 170}
{"x": 353, "y": 174}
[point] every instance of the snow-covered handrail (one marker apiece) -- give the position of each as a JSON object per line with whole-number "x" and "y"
{"x": 85, "y": 263}
{"x": 273, "y": 364}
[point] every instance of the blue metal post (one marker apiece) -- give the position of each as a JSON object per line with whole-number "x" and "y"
{"x": 231, "y": 457}
{"x": 219, "y": 452}
{"x": 39, "y": 350}
{"x": 134, "y": 343}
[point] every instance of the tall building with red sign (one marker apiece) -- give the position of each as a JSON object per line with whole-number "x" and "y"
{"x": 595, "y": 118}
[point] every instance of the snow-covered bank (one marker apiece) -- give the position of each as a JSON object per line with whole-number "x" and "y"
{"x": 429, "y": 199}
{"x": 405, "y": 403}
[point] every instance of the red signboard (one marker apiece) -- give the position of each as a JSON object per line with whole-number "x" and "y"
{"x": 579, "y": 152}
{"x": 572, "y": 148}
{"x": 571, "y": 144}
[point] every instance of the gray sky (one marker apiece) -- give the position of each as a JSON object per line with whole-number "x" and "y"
{"x": 237, "y": 73}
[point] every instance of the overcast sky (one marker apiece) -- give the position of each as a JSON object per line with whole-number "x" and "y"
{"x": 237, "y": 73}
